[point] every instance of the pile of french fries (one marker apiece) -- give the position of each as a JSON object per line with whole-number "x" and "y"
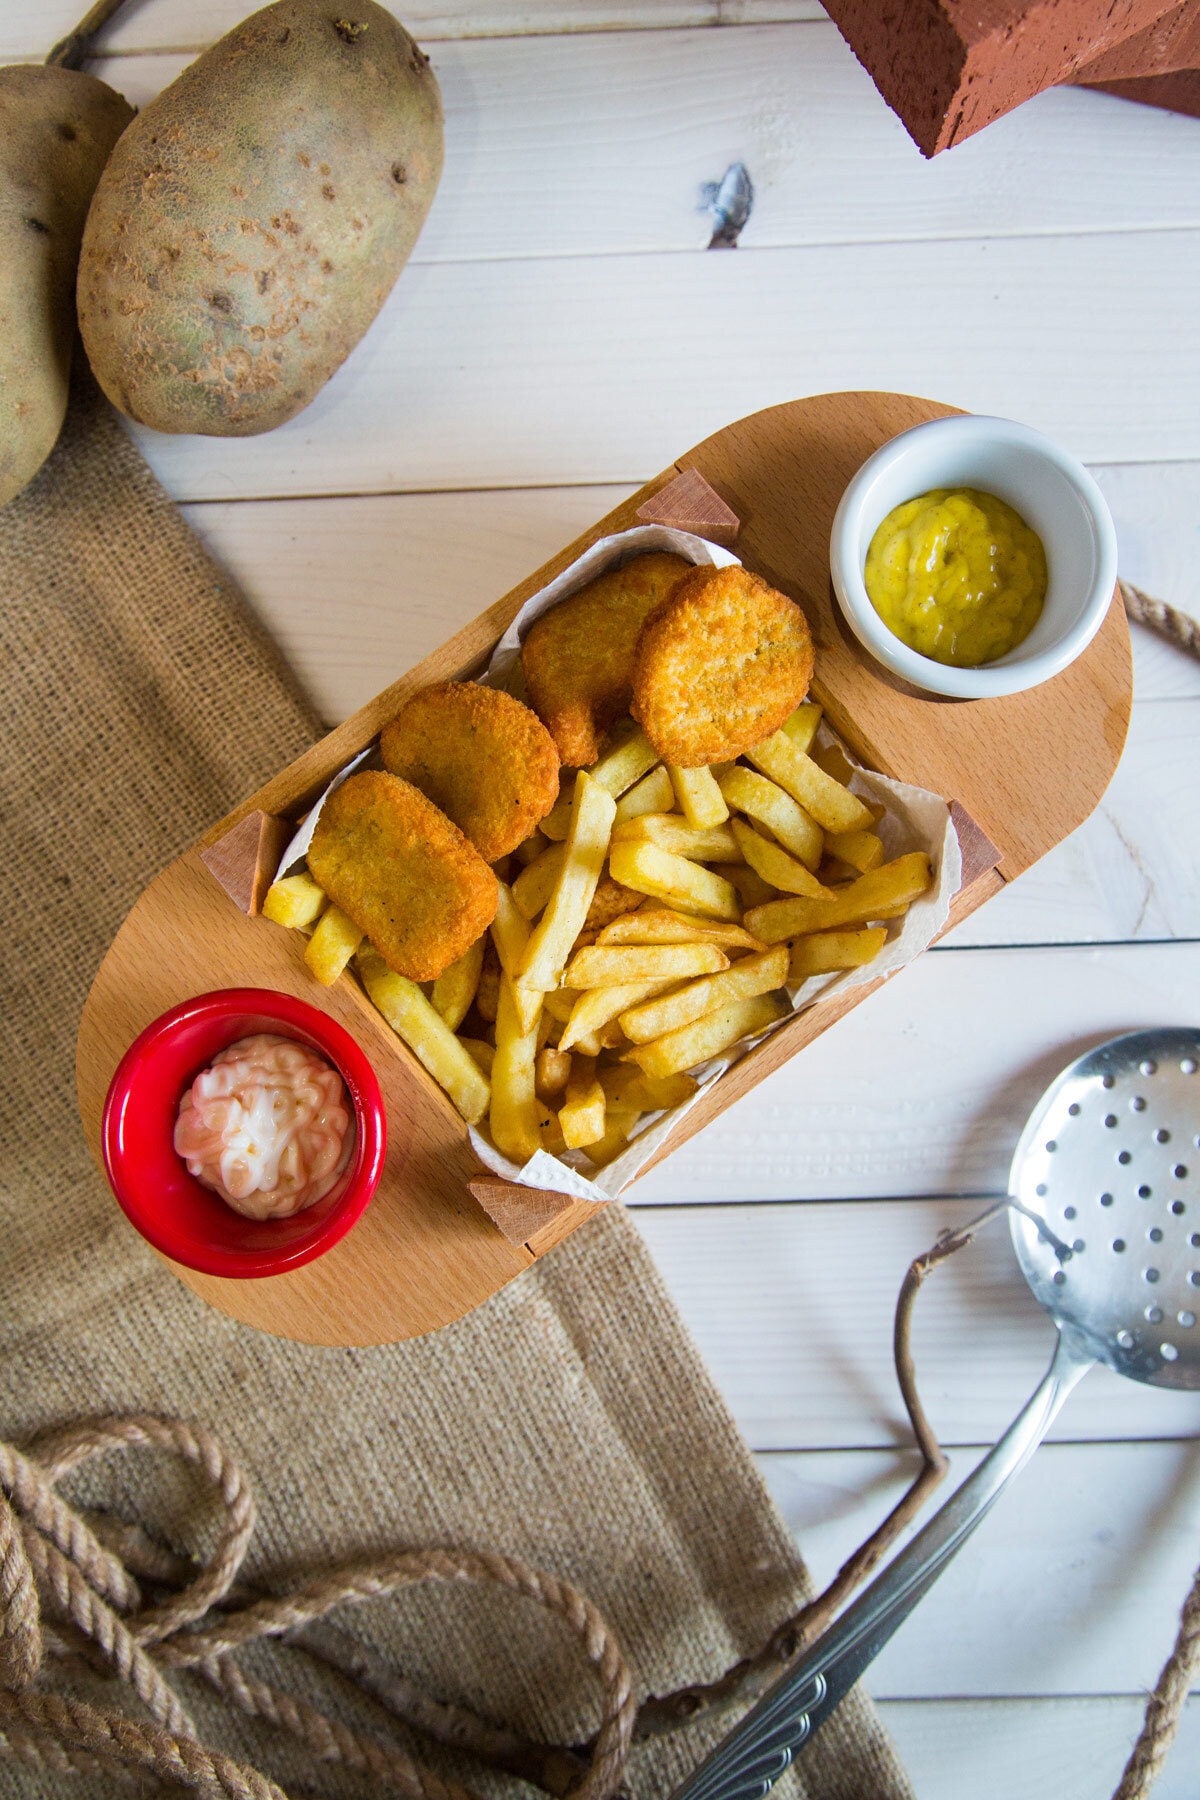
{"x": 722, "y": 887}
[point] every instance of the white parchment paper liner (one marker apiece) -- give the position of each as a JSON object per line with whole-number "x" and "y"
{"x": 913, "y": 820}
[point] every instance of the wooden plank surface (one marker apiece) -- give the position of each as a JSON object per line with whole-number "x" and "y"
{"x": 792, "y": 1307}
{"x": 1031, "y": 1749}
{"x": 1088, "y": 1530}
{"x": 26, "y": 31}
{"x": 635, "y": 137}
{"x": 441, "y": 393}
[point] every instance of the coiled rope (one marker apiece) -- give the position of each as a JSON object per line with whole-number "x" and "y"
{"x": 62, "y": 1590}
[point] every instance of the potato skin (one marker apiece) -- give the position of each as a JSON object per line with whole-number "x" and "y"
{"x": 256, "y": 216}
{"x": 57, "y": 130}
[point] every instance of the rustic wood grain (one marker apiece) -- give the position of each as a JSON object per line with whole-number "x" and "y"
{"x": 424, "y": 1252}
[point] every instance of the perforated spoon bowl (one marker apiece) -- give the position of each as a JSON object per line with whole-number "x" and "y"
{"x": 1105, "y": 1183}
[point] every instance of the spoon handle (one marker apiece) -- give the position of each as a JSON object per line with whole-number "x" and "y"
{"x": 748, "y": 1763}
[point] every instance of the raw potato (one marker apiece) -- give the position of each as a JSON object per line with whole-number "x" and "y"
{"x": 256, "y": 215}
{"x": 57, "y": 131}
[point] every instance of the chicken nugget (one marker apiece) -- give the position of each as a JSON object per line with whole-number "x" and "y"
{"x": 719, "y": 665}
{"x": 610, "y": 901}
{"x": 485, "y": 759}
{"x": 402, "y": 872}
{"x": 578, "y": 657}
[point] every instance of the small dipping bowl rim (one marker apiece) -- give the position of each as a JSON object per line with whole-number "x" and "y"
{"x": 1053, "y": 493}
{"x": 180, "y": 1217}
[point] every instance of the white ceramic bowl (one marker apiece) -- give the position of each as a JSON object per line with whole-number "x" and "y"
{"x": 1052, "y": 492}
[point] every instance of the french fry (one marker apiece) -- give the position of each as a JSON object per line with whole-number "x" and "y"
{"x": 581, "y": 1116}
{"x": 480, "y": 1052}
{"x": 550, "y": 1134}
{"x": 772, "y": 862}
{"x": 454, "y": 990}
{"x": 427, "y": 1035}
{"x": 510, "y": 935}
{"x": 514, "y": 1115}
{"x": 606, "y": 965}
{"x": 836, "y": 874}
{"x": 583, "y": 860}
{"x": 625, "y": 1084}
{"x": 802, "y": 726}
{"x": 588, "y": 1044}
{"x": 487, "y": 994}
{"x": 532, "y": 847}
{"x": 823, "y": 952}
{"x": 618, "y": 1126}
{"x": 834, "y": 807}
{"x": 709, "y": 843}
{"x": 611, "y": 1036}
{"x": 599, "y": 1006}
{"x": 833, "y": 759}
{"x": 707, "y": 1036}
{"x": 893, "y": 884}
{"x": 700, "y": 799}
{"x": 861, "y": 850}
{"x": 653, "y": 793}
{"x": 751, "y": 889}
{"x": 559, "y": 1002}
{"x": 557, "y": 821}
{"x": 659, "y": 925}
{"x": 783, "y": 817}
{"x": 295, "y": 901}
{"x": 535, "y": 884}
{"x": 753, "y": 975}
{"x": 331, "y": 945}
{"x": 552, "y": 1071}
{"x": 674, "y": 879}
{"x": 631, "y": 757}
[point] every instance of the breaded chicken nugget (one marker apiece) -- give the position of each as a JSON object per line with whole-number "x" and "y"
{"x": 402, "y": 872}
{"x": 485, "y": 759}
{"x": 719, "y": 665}
{"x": 578, "y": 657}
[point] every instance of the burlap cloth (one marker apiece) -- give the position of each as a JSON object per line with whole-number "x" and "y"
{"x": 569, "y": 1421}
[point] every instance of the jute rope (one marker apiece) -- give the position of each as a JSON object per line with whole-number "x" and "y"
{"x": 52, "y": 1561}
{"x": 1177, "y": 627}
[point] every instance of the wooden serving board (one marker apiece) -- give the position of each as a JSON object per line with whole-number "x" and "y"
{"x": 1028, "y": 769}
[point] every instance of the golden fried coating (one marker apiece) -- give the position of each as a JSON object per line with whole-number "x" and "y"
{"x": 402, "y": 872}
{"x": 485, "y": 759}
{"x": 578, "y": 657}
{"x": 610, "y": 901}
{"x": 720, "y": 664}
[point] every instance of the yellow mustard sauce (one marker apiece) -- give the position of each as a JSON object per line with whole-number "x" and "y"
{"x": 957, "y": 575}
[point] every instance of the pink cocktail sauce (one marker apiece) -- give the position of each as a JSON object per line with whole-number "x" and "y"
{"x": 268, "y": 1126}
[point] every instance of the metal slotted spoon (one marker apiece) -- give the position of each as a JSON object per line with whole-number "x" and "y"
{"x": 1106, "y": 1226}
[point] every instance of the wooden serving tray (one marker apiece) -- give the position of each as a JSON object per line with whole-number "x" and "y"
{"x": 1028, "y": 769}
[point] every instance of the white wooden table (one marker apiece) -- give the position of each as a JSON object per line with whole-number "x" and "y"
{"x": 562, "y": 334}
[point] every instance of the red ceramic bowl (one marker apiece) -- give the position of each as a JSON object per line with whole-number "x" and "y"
{"x": 175, "y": 1212}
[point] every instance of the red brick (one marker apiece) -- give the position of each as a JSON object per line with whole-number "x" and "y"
{"x": 949, "y": 67}
{"x": 1162, "y": 49}
{"x": 1178, "y": 92}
